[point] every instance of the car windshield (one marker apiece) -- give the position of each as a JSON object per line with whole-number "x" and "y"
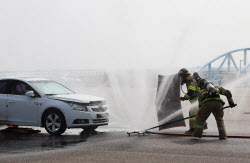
{"x": 51, "y": 88}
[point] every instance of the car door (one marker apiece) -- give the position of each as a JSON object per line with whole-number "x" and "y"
{"x": 3, "y": 101}
{"x": 21, "y": 109}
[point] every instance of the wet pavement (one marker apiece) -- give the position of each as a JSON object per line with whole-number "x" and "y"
{"x": 36, "y": 139}
{"x": 118, "y": 147}
{"x": 23, "y": 140}
{"x": 109, "y": 145}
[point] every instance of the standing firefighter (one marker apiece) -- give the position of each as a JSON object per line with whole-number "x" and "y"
{"x": 210, "y": 102}
{"x": 191, "y": 95}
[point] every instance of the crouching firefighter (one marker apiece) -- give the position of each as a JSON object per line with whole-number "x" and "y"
{"x": 191, "y": 95}
{"x": 210, "y": 102}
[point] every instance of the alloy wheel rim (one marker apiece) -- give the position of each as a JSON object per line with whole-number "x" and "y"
{"x": 53, "y": 123}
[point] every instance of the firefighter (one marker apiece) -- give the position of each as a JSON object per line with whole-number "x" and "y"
{"x": 210, "y": 102}
{"x": 191, "y": 95}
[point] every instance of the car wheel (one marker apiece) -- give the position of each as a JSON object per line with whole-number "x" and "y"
{"x": 54, "y": 122}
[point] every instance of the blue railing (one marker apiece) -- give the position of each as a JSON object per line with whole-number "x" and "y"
{"x": 227, "y": 56}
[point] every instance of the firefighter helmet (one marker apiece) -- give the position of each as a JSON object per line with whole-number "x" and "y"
{"x": 183, "y": 72}
{"x": 196, "y": 77}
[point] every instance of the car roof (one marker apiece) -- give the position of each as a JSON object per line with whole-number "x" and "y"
{"x": 26, "y": 79}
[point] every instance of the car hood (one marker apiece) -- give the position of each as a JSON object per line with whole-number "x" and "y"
{"x": 76, "y": 98}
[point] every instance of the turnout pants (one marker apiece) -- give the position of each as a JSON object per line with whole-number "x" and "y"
{"x": 204, "y": 112}
{"x": 193, "y": 112}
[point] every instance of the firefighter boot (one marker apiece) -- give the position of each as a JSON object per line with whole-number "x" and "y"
{"x": 192, "y": 126}
{"x": 222, "y": 134}
{"x": 196, "y": 135}
{"x": 190, "y": 131}
{"x": 198, "y": 132}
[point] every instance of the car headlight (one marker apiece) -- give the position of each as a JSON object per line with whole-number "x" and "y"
{"x": 78, "y": 107}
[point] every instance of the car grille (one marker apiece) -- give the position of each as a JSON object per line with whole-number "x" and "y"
{"x": 100, "y": 109}
{"x": 100, "y": 120}
{"x": 97, "y": 103}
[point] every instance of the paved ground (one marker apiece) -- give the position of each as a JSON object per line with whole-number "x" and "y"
{"x": 111, "y": 146}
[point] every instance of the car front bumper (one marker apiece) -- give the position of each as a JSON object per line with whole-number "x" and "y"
{"x": 79, "y": 119}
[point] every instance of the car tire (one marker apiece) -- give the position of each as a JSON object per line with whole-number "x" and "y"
{"x": 54, "y": 122}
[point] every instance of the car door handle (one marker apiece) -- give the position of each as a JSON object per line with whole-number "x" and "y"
{"x": 11, "y": 102}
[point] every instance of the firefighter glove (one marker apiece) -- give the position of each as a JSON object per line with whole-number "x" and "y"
{"x": 232, "y": 104}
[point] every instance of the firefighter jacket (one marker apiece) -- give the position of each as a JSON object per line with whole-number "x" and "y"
{"x": 203, "y": 98}
{"x": 192, "y": 89}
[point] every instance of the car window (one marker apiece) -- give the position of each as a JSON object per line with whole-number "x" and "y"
{"x": 3, "y": 87}
{"x": 20, "y": 88}
{"x": 51, "y": 87}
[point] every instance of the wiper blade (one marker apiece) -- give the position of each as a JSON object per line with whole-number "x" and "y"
{"x": 50, "y": 94}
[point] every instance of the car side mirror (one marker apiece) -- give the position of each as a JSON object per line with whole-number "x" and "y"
{"x": 30, "y": 94}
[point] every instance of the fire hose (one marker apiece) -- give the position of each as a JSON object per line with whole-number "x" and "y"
{"x": 146, "y": 131}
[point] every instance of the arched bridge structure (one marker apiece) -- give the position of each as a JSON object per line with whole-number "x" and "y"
{"x": 228, "y": 59}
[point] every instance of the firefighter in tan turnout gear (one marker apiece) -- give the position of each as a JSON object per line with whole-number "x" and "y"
{"x": 191, "y": 95}
{"x": 210, "y": 102}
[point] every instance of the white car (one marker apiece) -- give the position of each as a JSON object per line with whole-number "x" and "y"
{"x": 46, "y": 103}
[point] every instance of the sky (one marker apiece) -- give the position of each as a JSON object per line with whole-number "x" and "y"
{"x": 117, "y": 34}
